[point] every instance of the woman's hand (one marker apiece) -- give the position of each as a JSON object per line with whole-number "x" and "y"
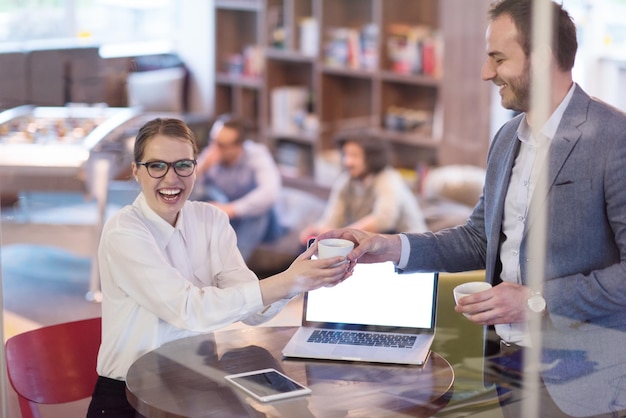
{"x": 321, "y": 272}
{"x": 305, "y": 274}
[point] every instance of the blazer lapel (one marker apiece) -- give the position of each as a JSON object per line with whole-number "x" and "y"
{"x": 561, "y": 147}
{"x": 499, "y": 179}
{"x": 505, "y": 179}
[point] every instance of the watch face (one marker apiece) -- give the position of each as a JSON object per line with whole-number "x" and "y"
{"x": 537, "y": 303}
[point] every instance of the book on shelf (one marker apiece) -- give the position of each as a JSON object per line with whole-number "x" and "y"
{"x": 288, "y": 107}
{"x": 309, "y": 36}
{"x": 352, "y": 48}
{"x": 414, "y": 49}
{"x": 293, "y": 160}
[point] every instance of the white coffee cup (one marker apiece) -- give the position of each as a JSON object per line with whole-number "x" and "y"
{"x": 469, "y": 288}
{"x": 334, "y": 247}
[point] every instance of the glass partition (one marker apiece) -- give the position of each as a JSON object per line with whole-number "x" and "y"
{"x": 54, "y": 200}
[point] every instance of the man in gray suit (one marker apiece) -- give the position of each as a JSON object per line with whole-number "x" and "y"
{"x": 582, "y": 150}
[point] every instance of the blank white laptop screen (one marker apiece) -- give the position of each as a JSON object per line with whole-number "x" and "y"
{"x": 376, "y": 295}
{"x": 399, "y": 308}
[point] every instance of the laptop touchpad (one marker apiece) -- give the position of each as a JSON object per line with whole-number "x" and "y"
{"x": 350, "y": 351}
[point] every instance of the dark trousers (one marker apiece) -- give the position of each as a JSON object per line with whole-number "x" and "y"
{"x": 109, "y": 400}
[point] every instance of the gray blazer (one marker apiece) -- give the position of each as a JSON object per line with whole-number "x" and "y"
{"x": 585, "y": 268}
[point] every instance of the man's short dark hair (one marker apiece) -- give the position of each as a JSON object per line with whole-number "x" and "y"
{"x": 564, "y": 43}
{"x": 235, "y": 123}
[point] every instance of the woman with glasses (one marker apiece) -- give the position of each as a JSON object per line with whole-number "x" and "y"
{"x": 170, "y": 267}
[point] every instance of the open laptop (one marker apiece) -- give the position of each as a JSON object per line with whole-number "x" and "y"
{"x": 377, "y": 315}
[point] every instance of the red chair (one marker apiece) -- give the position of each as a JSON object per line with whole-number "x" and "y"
{"x": 54, "y": 364}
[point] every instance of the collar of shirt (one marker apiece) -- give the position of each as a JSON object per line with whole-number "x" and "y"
{"x": 163, "y": 231}
{"x": 548, "y": 131}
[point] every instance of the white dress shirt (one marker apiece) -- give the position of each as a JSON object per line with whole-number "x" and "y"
{"x": 161, "y": 283}
{"x": 527, "y": 168}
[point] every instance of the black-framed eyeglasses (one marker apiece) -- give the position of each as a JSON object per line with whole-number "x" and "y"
{"x": 158, "y": 169}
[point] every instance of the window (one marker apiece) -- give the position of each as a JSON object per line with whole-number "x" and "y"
{"x": 88, "y": 20}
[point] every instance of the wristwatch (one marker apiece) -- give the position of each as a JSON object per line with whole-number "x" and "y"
{"x": 536, "y": 302}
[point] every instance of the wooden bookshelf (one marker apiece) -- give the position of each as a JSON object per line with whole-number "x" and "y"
{"x": 433, "y": 109}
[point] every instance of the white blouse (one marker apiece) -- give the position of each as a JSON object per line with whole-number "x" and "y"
{"x": 161, "y": 283}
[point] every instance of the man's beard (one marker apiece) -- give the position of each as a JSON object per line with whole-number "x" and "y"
{"x": 519, "y": 94}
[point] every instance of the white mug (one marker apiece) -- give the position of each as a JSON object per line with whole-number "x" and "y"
{"x": 334, "y": 247}
{"x": 469, "y": 288}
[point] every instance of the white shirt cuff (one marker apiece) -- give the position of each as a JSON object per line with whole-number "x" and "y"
{"x": 405, "y": 250}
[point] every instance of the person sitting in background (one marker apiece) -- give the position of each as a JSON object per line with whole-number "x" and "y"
{"x": 170, "y": 267}
{"x": 369, "y": 195}
{"x": 240, "y": 177}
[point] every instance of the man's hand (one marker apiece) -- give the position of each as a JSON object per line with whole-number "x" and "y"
{"x": 209, "y": 157}
{"x": 368, "y": 247}
{"x": 502, "y": 304}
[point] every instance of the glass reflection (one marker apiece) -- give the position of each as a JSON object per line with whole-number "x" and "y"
{"x": 582, "y": 368}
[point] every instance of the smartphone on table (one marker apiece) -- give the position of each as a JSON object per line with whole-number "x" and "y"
{"x": 267, "y": 384}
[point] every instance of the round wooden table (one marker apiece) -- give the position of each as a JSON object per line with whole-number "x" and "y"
{"x": 185, "y": 378}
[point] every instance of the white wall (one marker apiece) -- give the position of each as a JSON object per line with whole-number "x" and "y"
{"x": 601, "y": 61}
{"x": 195, "y": 38}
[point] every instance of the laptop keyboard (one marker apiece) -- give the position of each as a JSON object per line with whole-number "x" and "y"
{"x": 362, "y": 338}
